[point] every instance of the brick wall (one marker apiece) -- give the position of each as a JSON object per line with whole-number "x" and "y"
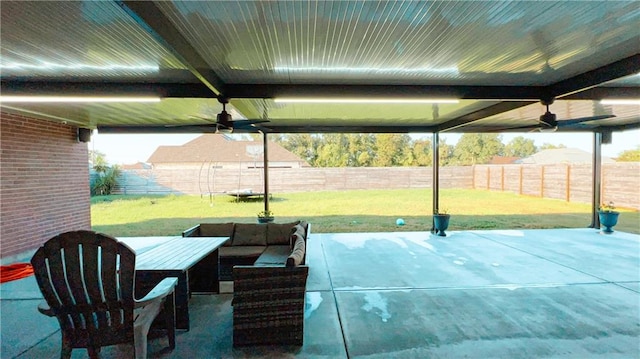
{"x": 44, "y": 183}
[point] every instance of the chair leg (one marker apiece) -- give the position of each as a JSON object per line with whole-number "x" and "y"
{"x": 94, "y": 353}
{"x": 140, "y": 347}
{"x": 65, "y": 353}
{"x": 170, "y": 319}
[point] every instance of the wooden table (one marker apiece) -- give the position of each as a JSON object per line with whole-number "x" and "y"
{"x": 193, "y": 260}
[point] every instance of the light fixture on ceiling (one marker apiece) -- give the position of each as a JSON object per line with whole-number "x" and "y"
{"x": 70, "y": 99}
{"x": 365, "y": 100}
{"x": 52, "y": 67}
{"x": 434, "y": 71}
{"x": 620, "y": 102}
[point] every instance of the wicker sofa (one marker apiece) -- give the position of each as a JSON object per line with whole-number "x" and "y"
{"x": 269, "y": 272}
{"x": 256, "y": 244}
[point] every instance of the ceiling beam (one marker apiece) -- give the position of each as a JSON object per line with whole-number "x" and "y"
{"x": 481, "y": 114}
{"x": 199, "y": 90}
{"x": 271, "y": 91}
{"x": 54, "y": 88}
{"x": 349, "y": 129}
{"x": 599, "y": 93}
{"x": 159, "y": 26}
{"x": 587, "y": 80}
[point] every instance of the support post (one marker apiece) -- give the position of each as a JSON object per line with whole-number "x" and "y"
{"x": 436, "y": 178}
{"x": 596, "y": 180}
{"x": 266, "y": 171}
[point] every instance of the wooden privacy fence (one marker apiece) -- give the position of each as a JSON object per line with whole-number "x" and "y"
{"x": 569, "y": 182}
{"x": 191, "y": 180}
{"x": 572, "y": 183}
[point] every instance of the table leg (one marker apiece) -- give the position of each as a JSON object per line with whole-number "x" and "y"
{"x": 204, "y": 275}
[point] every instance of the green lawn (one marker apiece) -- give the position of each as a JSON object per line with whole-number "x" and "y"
{"x": 346, "y": 211}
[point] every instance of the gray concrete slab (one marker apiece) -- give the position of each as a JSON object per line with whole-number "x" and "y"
{"x": 212, "y": 331}
{"x": 420, "y": 260}
{"x": 318, "y": 279}
{"x": 23, "y": 327}
{"x": 500, "y": 294}
{"x": 528, "y": 322}
{"x": 20, "y": 318}
{"x": 614, "y": 257}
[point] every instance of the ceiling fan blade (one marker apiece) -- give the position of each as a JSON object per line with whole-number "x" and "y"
{"x": 574, "y": 121}
{"x": 514, "y": 129}
{"x": 244, "y": 123}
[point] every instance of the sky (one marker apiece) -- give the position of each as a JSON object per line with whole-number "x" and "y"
{"x": 129, "y": 149}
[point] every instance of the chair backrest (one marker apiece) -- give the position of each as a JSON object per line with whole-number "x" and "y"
{"x": 87, "y": 279}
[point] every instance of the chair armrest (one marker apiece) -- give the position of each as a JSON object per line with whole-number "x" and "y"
{"x": 161, "y": 290}
{"x": 189, "y": 232}
{"x": 44, "y": 308}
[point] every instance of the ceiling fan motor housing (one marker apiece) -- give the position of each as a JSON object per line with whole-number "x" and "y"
{"x": 549, "y": 119}
{"x": 224, "y": 117}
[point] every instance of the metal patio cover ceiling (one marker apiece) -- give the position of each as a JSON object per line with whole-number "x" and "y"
{"x": 499, "y": 58}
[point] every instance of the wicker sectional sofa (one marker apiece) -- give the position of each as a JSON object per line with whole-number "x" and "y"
{"x": 267, "y": 263}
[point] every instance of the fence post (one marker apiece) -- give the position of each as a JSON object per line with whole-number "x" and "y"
{"x": 520, "y": 179}
{"x": 488, "y": 178}
{"x": 502, "y": 178}
{"x": 473, "y": 176}
{"x": 542, "y": 182}
{"x": 568, "y": 184}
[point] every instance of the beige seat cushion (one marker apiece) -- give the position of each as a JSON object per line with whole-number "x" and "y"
{"x": 241, "y": 251}
{"x": 274, "y": 255}
{"x": 250, "y": 234}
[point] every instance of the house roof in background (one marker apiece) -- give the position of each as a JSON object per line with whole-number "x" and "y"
{"x": 220, "y": 148}
{"x": 503, "y": 160}
{"x": 562, "y": 155}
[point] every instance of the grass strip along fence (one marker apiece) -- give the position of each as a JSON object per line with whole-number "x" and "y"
{"x": 346, "y": 211}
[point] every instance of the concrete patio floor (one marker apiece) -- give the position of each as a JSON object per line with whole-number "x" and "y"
{"x": 567, "y": 293}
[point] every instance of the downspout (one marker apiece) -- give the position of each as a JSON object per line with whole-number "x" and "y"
{"x": 266, "y": 171}
{"x": 436, "y": 177}
{"x": 597, "y": 179}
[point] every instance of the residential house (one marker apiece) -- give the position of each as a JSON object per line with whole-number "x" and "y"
{"x": 222, "y": 151}
{"x": 561, "y": 155}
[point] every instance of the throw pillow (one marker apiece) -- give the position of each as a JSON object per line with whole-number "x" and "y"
{"x": 297, "y": 255}
{"x": 250, "y": 234}
{"x": 217, "y": 230}
{"x": 278, "y": 233}
{"x": 295, "y": 236}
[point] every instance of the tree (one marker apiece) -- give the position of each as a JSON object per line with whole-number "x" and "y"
{"x": 98, "y": 161}
{"x": 106, "y": 177}
{"x": 333, "y": 151}
{"x": 390, "y": 149}
{"x": 305, "y": 145}
{"x": 520, "y": 147}
{"x": 446, "y": 153}
{"x": 421, "y": 153}
{"x": 477, "y": 148}
{"x": 361, "y": 149}
{"x": 629, "y": 155}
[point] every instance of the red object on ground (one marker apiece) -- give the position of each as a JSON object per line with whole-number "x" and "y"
{"x": 15, "y": 271}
